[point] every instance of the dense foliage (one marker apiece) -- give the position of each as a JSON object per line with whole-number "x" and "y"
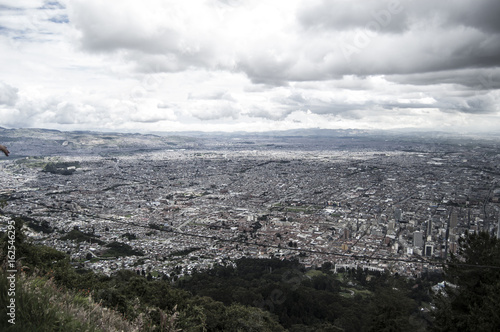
{"x": 317, "y": 300}
{"x": 471, "y": 301}
{"x": 62, "y": 168}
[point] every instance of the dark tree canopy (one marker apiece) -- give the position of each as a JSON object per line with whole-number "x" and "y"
{"x": 475, "y": 271}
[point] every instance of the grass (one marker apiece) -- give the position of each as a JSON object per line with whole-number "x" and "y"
{"x": 42, "y": 306}
{"x": 314, "y": 273}
{"x": 351, "y": 292}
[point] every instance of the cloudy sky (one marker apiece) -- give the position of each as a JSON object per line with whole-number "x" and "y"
{"x": 254, "y": 65}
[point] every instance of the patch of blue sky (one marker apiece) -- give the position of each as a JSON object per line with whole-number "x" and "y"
{"x": 4, "y": 7}
{"x": 60, "y": 19}
{"x": 52, "y": 5}
{"x": 7, "y": 31}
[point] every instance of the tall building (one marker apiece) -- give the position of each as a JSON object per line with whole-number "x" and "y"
{"x": 418, "y": 239}
{"x": 347, "y": 233}
{"x": 429, "y": 227}
{"x": 429, "y": 249}
{"x": 453, "y": 247}
{"x": 398, "y": 214}
{"x": 453, "y": 219}
{"x": 498, "y": 228}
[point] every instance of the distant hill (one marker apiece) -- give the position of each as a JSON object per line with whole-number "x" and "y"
{"x": 46, "y": 142}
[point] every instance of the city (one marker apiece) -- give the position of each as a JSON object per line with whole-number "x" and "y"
{"x": 174, "y": 205}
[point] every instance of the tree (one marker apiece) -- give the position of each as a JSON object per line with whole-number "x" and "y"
{"x": 4, "y": 150}
{"x": 475, "y": 271}
{"x": 393, "y": 310}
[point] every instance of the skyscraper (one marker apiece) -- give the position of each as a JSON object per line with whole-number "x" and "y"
{"x": 453, "y": 219}
{"x": 418, "y": 239}
{"x": 429, "y": 249}
{"x": 498, "y": 228}
{"x": 398, "y": 214}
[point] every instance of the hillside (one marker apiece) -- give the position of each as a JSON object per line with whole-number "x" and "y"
{"x": 254, "y": 295}
{"x": 46, "y": 143}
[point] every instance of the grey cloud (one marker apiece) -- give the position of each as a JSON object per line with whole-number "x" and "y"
{"x": 335, "y": 108}
{"x": 345, "y": 14}
{"x": 480, "y": 14}
{"x": 472, "y": 105}
{"x": 473, "y": 78}
{"x": 475, "y": 104}
{"x": 397, "y": 16}
{"x": 354, "y": 83}
{"x": 265, "y": 69}
{"x": 159, "y": 46}
{"x": 421, "y": 52}
{"x": 8, "y": 94}
{"x": 100, "y": 36}
{"x": 215, "y": 112}
{"x": 274, "y": 114}
{"x": 411, "y": 40}
{"x": 299, "y": 102}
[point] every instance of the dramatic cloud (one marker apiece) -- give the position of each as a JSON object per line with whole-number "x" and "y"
{"x": 250, "y": 65}
{"x": 378, "y": 16}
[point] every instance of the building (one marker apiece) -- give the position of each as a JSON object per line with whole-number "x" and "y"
{"x": 498, "y": 228}
{"x": 418, "y": 239}
{"x": 429, "y": 249}
{"x": 347, "y": 234}
{"x": 398, "y": 215}
{"x": 453, "y": 220}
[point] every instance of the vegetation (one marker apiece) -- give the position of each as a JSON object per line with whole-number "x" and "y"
{"x": 117, "y": 249}
{"x": 42, "y": 306}
{"x": 62, "y": 168}
{"x": 312, "y": 300}
{"x": 471, "y": 301}
{"x": 79, "y": 236}
{"x": 184, "y": 252}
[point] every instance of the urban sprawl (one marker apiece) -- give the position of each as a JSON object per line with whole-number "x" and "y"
{"x": 383, "y": 204}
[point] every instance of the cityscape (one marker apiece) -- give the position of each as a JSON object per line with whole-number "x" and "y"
{"x": 228, "y": 165}
{"x": 168, "y": 206}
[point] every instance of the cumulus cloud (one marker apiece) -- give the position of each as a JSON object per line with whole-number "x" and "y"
{"x": 8, "y": 94}
{"x": 152, "y": 116}
{"x": 167, "y": 35}
{"x": 473, "y": 78}
{"x": 345, "y": 15}
{"x": 335, "y": 63}
{"x": 303, "y": 41}
{"x": 212, "y": 111}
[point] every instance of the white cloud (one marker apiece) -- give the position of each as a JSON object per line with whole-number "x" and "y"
{"x": 249, "y": 65}
{"x": 8, "y": 94}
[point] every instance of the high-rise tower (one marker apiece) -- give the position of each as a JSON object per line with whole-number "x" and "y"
{"x": 418, "y": 239}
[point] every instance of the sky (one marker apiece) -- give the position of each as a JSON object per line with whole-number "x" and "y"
{"x": 250, "y": 65}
